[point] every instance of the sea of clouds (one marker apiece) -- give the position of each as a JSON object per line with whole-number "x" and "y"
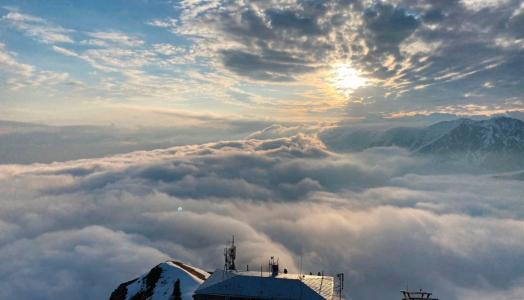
{"x": 77, "y": 229}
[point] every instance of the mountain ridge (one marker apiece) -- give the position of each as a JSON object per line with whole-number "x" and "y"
{"x": 495, "y": 143}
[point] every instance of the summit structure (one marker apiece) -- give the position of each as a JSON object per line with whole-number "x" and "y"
{"x": 272, "y": 283}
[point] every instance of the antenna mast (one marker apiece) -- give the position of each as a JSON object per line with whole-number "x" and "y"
{"x": 230, "y": 253}
{"x": 339, "y": 285}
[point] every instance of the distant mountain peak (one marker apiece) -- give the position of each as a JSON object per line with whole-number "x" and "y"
{"x": 495, "y": 143}
{"x": 500, "y": 134}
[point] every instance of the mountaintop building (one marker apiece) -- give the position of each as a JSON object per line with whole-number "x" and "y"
{"x": 230, "y": 284}
{"x": 244, "y": 285}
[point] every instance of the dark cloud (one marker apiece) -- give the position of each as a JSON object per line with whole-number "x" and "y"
{"x": 290, "y": 20}
{"x": 386, "y": 26}
{"x": 275, "y": 42}
{"x": 426, "y": 55}
{"x": 433, "y": 16}
{"x": 271, "y": 65}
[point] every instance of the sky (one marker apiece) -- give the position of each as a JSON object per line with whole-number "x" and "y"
{"x": 105, "y": 62}
{"x": 275, "y": 121}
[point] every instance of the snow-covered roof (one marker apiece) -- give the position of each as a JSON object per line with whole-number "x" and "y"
{"x": 252, "y": 284}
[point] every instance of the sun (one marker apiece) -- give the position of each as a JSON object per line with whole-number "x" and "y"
{"x": 346, "y": 79}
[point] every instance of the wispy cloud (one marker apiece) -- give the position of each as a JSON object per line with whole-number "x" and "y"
{"x": 38, "y": 28}
{"x": 117, "y": 38}
{"x": 20, "y": 75}
{"x": 11, "y": 65}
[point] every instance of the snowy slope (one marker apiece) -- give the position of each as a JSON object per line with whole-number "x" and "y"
{"x": 158, "y": 283}
{"x": 494, "y": 135}
{"x": 496, "y": 143}
{"x": 413, "y": 138}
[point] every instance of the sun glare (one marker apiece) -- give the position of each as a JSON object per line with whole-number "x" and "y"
{"x": 346, "y": 79}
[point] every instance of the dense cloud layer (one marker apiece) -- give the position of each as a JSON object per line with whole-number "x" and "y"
{"x": 24, "y": 143}
{"x": 77, "y": 229}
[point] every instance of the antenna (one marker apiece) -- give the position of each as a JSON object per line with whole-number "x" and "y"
{"x": 230, "y": 253}
{"x": 300, "y": 272}
{"x": 321, "y": 281}
{"x": 339, "y": 287}
{"x": 273, "y": 266}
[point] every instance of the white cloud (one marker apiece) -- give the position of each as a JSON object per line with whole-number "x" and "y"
{"x": 112, "y": 52}
{"x": 38, "y": 28}
{"x": 94, "y": 42}
{"x": 168, "y": 49}
{"x": 21, "y": 75}
{"x": 481, "y": 4}
{"x": 66, "y": 263}
{"x": 117, "y": 38}
{"x": 64, "y": 51}
{"x": 507, "y": 42}
{"x": 162, "y": 23}
{"x": 9, "y": 64}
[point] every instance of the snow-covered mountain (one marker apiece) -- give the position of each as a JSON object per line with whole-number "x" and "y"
{"x": 500, "y": 134}
{"x": 358, "y": 139}
{"x": 495, "y": 143}
{"x": 159, "y": 283}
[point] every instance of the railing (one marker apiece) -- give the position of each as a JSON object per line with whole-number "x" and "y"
{"x": 420, "y": 295}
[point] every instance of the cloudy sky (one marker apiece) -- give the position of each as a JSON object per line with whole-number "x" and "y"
{"x": 255, "y": 117}
{"x": 107, "y": 61}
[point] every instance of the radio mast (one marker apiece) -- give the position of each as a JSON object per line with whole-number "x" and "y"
{"x": 230, "y": 254}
